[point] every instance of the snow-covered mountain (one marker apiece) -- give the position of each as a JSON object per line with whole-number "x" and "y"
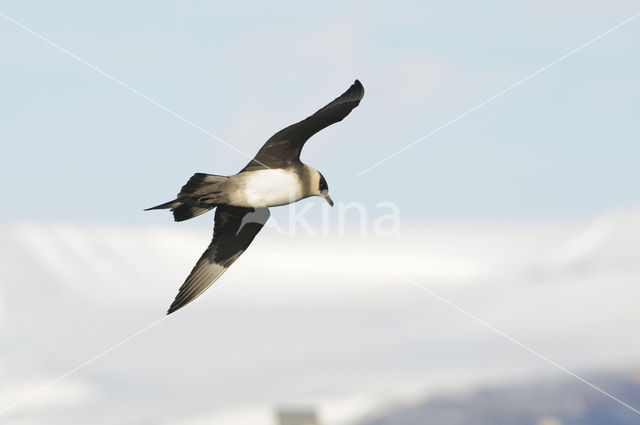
{"x": 564, "y": 401}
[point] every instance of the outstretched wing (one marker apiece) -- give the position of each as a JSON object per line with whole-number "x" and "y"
{"x": 234, "y": 230}
{"x": 284, "y": 148}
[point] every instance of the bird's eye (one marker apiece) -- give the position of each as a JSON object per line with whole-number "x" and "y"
{"x": 323, "y": 184}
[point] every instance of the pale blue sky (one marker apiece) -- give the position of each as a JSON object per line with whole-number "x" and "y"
{"x": 77, "y": 146}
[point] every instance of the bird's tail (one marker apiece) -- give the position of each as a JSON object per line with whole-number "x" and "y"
{"x": 199, "y": 195}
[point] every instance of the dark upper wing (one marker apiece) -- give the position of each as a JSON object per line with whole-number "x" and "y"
{"x": 234, "y": 230}
{"x": 284, "y": 147}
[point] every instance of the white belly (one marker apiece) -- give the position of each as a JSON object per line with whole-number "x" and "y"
{"x": 270, "y": 188}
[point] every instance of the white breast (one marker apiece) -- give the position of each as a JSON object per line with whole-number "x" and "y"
{"x": 270, "y": 188}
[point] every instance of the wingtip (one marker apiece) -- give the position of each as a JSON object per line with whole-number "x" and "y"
{"x": 175, "y": 306}
{"x": 357, "y": 86}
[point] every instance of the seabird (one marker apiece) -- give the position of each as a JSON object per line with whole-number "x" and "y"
{"x": 274, "y": 177}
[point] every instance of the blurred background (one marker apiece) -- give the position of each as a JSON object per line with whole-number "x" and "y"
{"x": 523, "y": 217}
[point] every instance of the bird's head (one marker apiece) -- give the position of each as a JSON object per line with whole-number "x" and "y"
{"x": 319, "y": 187}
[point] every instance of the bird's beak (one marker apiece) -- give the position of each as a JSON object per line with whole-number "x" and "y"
{"x": 325, "y": 195}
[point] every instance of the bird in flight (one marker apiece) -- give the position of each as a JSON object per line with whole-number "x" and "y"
{"x": 274, "y": 177}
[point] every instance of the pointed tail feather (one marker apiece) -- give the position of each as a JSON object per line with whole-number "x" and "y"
{"x": 196, "y": 197}
{"x": 166, "y": 205}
